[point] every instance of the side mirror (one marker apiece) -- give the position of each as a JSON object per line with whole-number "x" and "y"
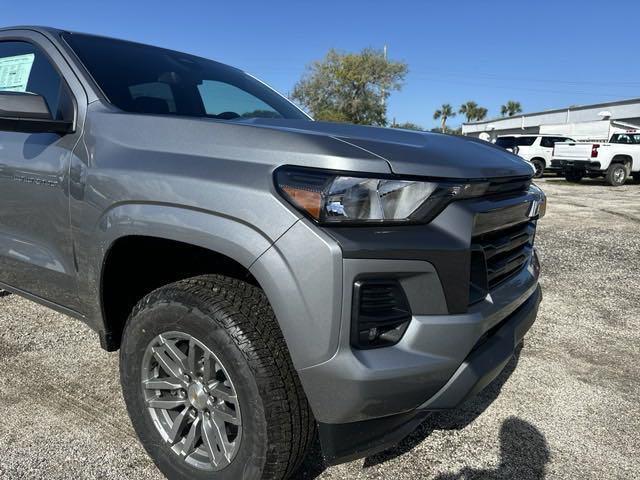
{"x": 29, "y": 113}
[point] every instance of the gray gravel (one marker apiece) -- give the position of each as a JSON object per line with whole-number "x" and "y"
{"x": 569, "y": 410}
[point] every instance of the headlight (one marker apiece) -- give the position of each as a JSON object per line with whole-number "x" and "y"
{"x": 539, "y": 206}
{"x": 329, "y": 197}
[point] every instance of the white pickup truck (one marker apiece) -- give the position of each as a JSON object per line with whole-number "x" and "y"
{"x": 534, "y": 148}
{"x": 616, "y": 160}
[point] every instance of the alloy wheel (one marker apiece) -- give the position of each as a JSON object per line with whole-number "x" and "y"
{"x": 192, "y": 400}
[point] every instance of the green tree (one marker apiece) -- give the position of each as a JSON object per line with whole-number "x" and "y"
{"x": 407, "y": 126}
{"x": 481, "y": 113}
{"x": 443, "y": 113}
{"x": 510, "y": 109}
{"x": 449, "y": 131}
{"x": 472, "y": 111}
{"x": 468, "y": 110}
{"x": 350, "y": 87}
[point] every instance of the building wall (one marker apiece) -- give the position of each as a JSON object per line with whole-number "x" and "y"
{"x": 493, "y": 134}
{"x": 627, "y": 111}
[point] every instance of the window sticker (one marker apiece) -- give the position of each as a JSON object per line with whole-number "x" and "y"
{"x": 15, "y": 71}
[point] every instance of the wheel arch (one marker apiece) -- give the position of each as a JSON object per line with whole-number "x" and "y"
{"x": 624, "y": 159}
{"x": 145, "y": 246}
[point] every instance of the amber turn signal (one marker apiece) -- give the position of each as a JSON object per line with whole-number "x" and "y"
{"x": 309, "y": 201}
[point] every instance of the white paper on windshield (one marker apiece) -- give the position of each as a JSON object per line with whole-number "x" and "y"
{"x": 15, "y": 71}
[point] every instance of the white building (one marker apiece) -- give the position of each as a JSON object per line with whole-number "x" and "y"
{"x": 584, "y": 122}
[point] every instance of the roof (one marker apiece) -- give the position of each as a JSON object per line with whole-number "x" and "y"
{"x": 559, "y": 110}
{"x": 35, "y": 28}
{"x": 532, "y": 135}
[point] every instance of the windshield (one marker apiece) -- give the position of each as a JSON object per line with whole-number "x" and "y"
{"x": 144, "y": 79}
{"x": 629, "y": 138}
{"x": 510, "y": 142}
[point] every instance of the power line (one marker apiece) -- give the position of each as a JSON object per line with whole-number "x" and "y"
{"x": 492, "y": 76}
{"x": 470, "y": 82}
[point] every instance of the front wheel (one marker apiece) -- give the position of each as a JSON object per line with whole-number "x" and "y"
{"x": 617, "y": 174}
{"x": 538, "y": 164}
{"x": 209, "y": 384}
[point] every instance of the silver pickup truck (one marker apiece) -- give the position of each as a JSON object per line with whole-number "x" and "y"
{"x": 266, "y": 278}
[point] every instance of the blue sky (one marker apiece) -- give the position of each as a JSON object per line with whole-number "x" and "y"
{"x": 543, "y": 54}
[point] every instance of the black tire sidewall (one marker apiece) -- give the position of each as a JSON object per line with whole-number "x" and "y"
{"x": 182, "y": 314}
{"x": 539, "y": 172}
{"x": 611, "y": 175}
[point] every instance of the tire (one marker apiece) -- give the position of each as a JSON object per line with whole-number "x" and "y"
{"x": 273, "y": 424}
{"x": 636, "y": 177}
{"x": 617, "y": 174}
{"x": 538, "y": 164}
{"x": 573, "y": 176}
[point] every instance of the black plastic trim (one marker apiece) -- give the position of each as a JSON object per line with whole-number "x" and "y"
{"x": 349, "y": 441}
{"x": 35, "y": 125}
{"x": 396, "y": 323}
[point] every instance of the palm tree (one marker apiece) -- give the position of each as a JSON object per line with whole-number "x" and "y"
{"x": 481, "y": 114}
{"x": 469, "y": 110}
{"x": 443, "y": 113}
{"x": 511, "y": 108}
{"x": 472, "y": 111}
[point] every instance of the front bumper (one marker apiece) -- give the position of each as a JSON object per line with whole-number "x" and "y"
{"x": 356, "y": 385}
{"x": 349, "y": 441}
{"x": 309, "y": 277}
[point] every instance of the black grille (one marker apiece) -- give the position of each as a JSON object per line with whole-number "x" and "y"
{"x": 505, "y": 252}
{"x": 508, "y": 186}
{"x": 382, "y": 303}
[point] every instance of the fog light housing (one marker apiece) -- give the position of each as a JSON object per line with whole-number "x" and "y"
{"x": 380, "y": 314}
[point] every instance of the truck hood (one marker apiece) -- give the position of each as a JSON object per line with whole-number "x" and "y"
{"x": 414, "y": 153}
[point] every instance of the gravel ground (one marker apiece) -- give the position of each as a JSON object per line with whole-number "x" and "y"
{"x": 569, "y": 410}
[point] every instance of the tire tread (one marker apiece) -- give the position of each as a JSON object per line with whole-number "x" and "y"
{"x": 243, "y": 310}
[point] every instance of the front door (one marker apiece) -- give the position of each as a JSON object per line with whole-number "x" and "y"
{"x": 36, "y": 253}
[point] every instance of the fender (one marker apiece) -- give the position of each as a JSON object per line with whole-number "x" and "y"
{"x": 228, "y": 236}
{"x": 305, "y": 291}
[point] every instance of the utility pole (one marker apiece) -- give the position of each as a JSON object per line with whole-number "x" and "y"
{"x": 384, "y": 99}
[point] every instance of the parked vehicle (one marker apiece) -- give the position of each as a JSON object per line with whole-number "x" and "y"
{"x": 261, "y": 273}
{"x": 536, "y": 149}
{"x": 616, "y": 161}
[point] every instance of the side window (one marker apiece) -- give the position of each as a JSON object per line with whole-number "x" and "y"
{"x": 153, "y": 97}
{"x": 547, "y": 142}
{"x": 526, "y": 141}
{"x": 551, "y": 141}
{"x": 219, "y": 97}
{"x": 25, "y": 68}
